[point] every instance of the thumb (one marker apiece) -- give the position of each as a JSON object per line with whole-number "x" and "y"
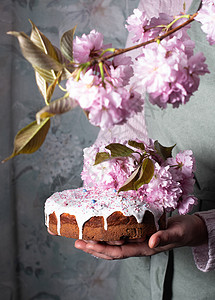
{"x": 161, "y": 238}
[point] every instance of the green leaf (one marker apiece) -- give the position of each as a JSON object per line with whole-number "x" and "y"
{"x": 163, "y": 151}
{"x": 56, "y": 107}
{"x": 101, "y": 157}
{"x": 119, "y": 150}
{"x": 52, "y": 87}
{"x": 146, "y": 173}
{"x": 30, "y": 138}
{"x": 35, "y": 55}
{"x": 137, "y": 145}
{"x": 47, "y": 75}
{"x": 42, "y": 42}
{"x": 66, "y": 44}
{"x": 129, "y": 183}
{"x": 45, "y": 89}
{"x": 42, "y": 85}
{"x": 68, "y": 66}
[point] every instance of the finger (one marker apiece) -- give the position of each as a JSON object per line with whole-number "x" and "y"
{"x": 50, "y": 232}
{"x": 141, "y": 240}
{"x": 101, "y": 250}
{"x": 116, "y": 243}
{"x": 154, "y": 241}
{"x": 104, "y": 249}
{"x": 82, "y": 245}
{"x": 160, "y": 238}
{"x": 122, "y": 251}
{"x": 164, "y": 240}
{"x": 122, "y": 242}
{"x": 100, "y": 255}
{"x": 90, "y": 241}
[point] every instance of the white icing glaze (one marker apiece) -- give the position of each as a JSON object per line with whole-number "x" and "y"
{"x": 85, "y": 203}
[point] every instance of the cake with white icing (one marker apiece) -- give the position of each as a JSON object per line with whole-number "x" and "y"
{"x": 128, "y": 187}
{"x": 101, "y": 215}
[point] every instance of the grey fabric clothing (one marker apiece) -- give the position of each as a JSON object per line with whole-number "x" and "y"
{"x": 174, "y": 275}
{"x": 204, "y": 255}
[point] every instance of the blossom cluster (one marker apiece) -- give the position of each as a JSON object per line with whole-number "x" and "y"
{"x": 206, "y": 16}
{"x": 109, "y": 174}
{"x": 106, "y": 100}
{"x": 171, "y": 186}
{"x": 169, "y": 71}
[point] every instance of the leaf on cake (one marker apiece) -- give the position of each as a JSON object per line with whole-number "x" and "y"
{"x": 30, "y": 138}
{"x": 101, "y": 157}
{"x": 130, "y": 182}
{"x": 137, "y": 145}
{"x": 119, "y": 150}
{"x": 146, "y": 173}
{"x": 162, "y": 151}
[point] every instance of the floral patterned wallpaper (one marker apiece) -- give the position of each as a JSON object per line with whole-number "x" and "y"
{"x": 33, "y": 264}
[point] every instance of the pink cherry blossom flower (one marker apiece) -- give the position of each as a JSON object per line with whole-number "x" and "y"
{"x": 121, "y": 70}
{"x": 196, "y": 67}
{"x": 136, "y": 23}
{"x": 206, "y": 16}
{"x": 163, "y": 190}
{"x": 87, "y": 46}
{"x": 186, "y": 204}
{"x": 187, "y": 184}
{"x": 156, "y": 26}
{"x": 184, "y": 162}
{"x": 113, "y": 106}
{"x": 85, "y": 90}
{"x": 106, "y": 105}
{"x": 151, "y": 69}
{"x": 144, "y": 29}
{"x": 183, "y": 168}
{"x": 172, "y": 75}
{"x": 158, "y": 75}
{"x": 105, "y": 98}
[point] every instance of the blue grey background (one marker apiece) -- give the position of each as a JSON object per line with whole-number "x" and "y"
{"x": 33, "y": 264}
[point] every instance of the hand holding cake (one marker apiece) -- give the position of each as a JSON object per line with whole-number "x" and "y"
{"x": 188, "y": 230}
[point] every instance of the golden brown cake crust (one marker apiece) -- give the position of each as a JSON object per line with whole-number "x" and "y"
{"x": 119, "y": 227}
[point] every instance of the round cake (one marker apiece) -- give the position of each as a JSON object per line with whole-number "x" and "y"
{"x": 101, "y": 215}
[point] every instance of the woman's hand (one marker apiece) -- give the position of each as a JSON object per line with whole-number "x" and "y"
{"x": 188, "y": 230}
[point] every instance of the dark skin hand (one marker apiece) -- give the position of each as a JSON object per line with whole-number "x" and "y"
{"x": 188, "y": 230}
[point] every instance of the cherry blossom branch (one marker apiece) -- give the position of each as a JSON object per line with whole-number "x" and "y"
{"x": 156, "y": 39}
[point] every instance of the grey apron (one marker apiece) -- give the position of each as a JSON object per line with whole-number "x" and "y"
{"x": 173, "y": 275}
